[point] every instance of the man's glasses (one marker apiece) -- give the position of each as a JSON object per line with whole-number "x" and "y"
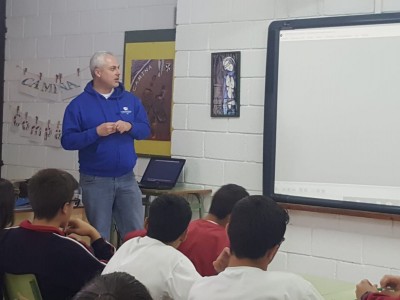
{"x": 76, "y": 202}
{"x": 76, "y": 199}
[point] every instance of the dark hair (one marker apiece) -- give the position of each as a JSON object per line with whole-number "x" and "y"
{"x": 7, "y": 203}
{"x": 225, "y": 198}
{"x": 49, "y": 190}
{"x": 257, "y": 224}
{"x": 169, "y": 217}
{"x": 114, "y": 286}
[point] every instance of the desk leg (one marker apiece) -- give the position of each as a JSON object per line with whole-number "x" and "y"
{"x": 115, "y": 237}
{"x": 146, "y": 204}
{"x": 200, "y": 203}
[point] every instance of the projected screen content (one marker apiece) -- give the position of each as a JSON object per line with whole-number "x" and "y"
{"x": 336, "y": 102}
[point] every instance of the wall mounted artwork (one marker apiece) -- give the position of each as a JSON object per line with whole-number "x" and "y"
{"x": 225, "y": 84}
{"x": 148, "y": 74}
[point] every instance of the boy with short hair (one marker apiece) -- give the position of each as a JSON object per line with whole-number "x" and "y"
{"x": 153, "y": 259}
{"x": 42, "y": 247}
{"x": 256, "y": 230}
{"x": 207, "y": 237}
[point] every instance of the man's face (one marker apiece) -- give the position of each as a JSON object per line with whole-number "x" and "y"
{"x": 108, "y": 75}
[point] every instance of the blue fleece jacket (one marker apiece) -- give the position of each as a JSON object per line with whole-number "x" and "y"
{"x": 106, "y": 156}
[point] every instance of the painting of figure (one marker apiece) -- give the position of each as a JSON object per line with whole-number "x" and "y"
{"x": 225, "y": 77}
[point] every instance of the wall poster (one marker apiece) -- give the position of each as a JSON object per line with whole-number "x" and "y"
{"x": 148, "y": 74}
{"x": 225, "y": 84}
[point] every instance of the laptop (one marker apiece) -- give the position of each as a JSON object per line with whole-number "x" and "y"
{"x": 162, "y": 173}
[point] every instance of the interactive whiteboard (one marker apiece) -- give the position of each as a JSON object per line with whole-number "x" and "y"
{"x": 332, "y": 112}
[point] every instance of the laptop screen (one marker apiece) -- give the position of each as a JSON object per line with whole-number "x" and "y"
{"x": 162, "y": 171}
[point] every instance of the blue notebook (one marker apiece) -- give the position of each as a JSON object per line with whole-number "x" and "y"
{"x": 22, "y": 201}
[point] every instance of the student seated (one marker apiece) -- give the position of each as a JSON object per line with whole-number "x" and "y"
{"x": 389, "y": 290}
{"x": 207, "y": 237}
{"x": 7, "y": 203}
{"x": 114, "y": 286}
{"x": 256, "y": 230}
{"x": 153, "y": 259}
{"x": 42, "y": 247}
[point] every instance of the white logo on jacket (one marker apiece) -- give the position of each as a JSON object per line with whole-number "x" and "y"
{"x": 125, "y": 110}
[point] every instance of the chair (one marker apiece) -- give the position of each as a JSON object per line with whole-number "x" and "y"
{"x": 21, "y": 287}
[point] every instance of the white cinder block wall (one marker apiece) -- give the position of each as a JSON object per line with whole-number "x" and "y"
{"x": 53, "y": 36}
{"x": 220, "y": 151}
{"x": 59, "y": 36}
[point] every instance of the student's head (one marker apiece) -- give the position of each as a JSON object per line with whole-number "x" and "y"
{"x": 225, "y": 198}
{"x": 169, "y": 217}
{"x": 257, "y": 225}
{"x": 7, "y": 203}
{"x": 114, "y": 286}
{"x": 49, "y": 190}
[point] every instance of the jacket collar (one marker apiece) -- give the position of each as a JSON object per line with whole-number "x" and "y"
{"x": 40, "y": 228}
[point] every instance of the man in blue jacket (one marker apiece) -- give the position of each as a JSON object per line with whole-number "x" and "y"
{"x": 102, "y": 124}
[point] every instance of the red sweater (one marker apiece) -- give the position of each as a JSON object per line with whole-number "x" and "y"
{"x": 378, "y": 296}
{"x": 205, "y": 241}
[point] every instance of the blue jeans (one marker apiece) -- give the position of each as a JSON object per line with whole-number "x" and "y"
{"x": 108, "y": 198}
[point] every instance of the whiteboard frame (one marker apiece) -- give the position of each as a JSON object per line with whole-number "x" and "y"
{"x": 270, "y": 109}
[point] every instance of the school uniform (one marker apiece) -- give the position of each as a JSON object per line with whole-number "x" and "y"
{"x": 205, "y": 241}
{"x": 166, "y": 272}
{"x": 378, "y": 296}
{"x": 61, "y": 264}
{"x": 238, "y": 283}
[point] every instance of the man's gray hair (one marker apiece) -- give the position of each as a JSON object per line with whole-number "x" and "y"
{"x": 97, "y": 60}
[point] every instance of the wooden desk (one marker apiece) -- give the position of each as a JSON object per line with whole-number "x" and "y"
{"x": 183, "y": 190}
{"x": 332, "y": 289}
